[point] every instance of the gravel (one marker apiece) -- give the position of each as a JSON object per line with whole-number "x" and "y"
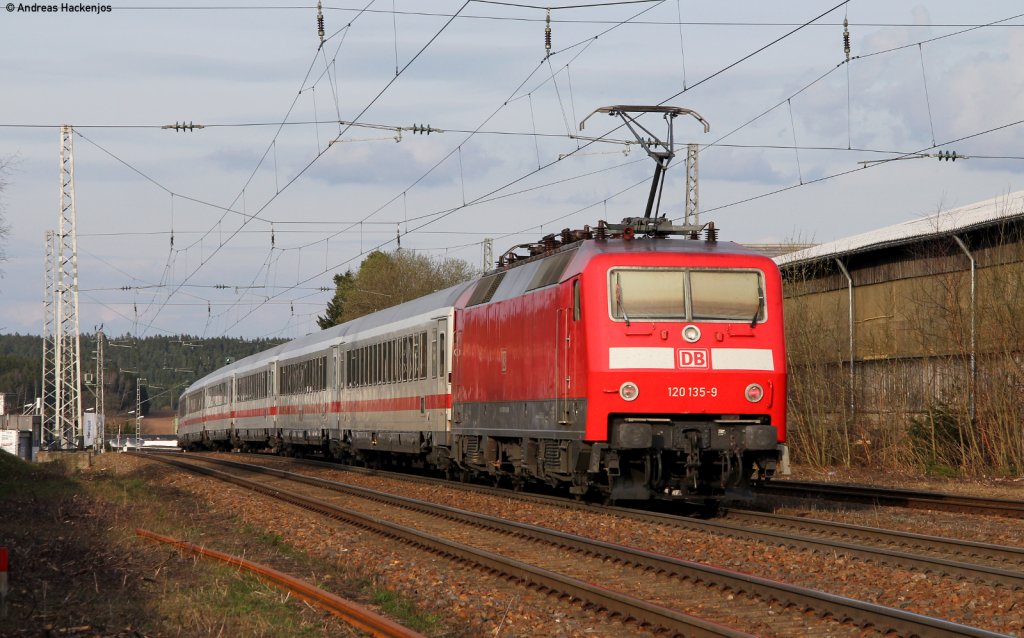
{"x": 984, "y": 606}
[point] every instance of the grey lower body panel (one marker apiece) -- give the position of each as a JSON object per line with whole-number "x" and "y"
{"x": 546, "y": 419}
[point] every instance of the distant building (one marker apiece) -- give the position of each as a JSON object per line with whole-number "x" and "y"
{"x": 7, "y": 405}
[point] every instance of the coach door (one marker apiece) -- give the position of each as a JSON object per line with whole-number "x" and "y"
{"x": 272, "y": 394}
{"x": 334, "y": 387}
{"x": 441, "y": 364}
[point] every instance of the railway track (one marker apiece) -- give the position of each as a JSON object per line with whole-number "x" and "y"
{"x": 661, "y": 590}
{"x": 894, "y": 498}
{"x": 992, "y": 564}
{"x": 1006, "y": 563}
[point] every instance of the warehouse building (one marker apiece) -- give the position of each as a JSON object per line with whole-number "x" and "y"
{"x": 905, "y": 343}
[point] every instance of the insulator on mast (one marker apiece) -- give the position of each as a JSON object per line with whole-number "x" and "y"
{"x": 846, "y": 38}
{"x": 547, "y": 35}
{"x": 320, "y": 21}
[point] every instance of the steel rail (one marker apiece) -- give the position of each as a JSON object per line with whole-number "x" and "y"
{"x": 885, "y": 619}
{"x": 912, "y": 499}
{"x": 629, "y": 608}
{"x": 769, "y": 532}
{"x": 998, "y": 553}
{"x": 352, "y": 613}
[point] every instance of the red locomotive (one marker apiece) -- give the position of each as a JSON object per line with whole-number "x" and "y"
{"x": 620, "y": 361}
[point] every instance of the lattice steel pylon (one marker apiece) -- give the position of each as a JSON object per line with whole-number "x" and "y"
{"x": 101, "y": 409}
{"x": 48, "y": 400}
{"x": 67, "y": 351}
{"x": 692, "y": 216}
{"x": 488, "y": 254}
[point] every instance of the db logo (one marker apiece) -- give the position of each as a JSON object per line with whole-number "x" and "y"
{"x": 693, "y": 358}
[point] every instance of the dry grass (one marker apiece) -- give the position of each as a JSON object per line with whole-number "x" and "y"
{"x": 77, "y": 566}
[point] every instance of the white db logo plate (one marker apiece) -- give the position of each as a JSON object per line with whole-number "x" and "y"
{"x": 692, "y": 358}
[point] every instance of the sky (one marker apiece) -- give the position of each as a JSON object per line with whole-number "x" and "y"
{"x": 236, "y": 228}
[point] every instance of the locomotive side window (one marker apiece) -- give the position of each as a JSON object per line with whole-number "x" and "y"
{"x": 576, "y": 300}
{"x": 726, "y": 295}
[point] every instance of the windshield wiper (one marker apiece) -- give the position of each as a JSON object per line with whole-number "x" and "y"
{"x": 760, "y": 305}
{"x": 618, "y": 299}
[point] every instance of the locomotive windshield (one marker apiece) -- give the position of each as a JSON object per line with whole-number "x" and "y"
{"x": 686, "y": 295}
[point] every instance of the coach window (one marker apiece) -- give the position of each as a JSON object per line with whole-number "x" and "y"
{"x": 727, "y": 295}
{"x": 415, "y": 358}
{"x": 376, "y": 363}
{"x": 423, "y": 355}
{"x": 442, "y": 360}
{"x": 367, "y": 365}
{"x": 433, "y": 353}
{"x": 403, "y": 369}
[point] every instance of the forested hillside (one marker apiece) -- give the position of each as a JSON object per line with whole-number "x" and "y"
{"x": 167, "y": 363}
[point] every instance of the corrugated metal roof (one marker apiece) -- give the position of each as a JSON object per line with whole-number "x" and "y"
{"x": 972, "y": 216}
{"x": 777, "y": 250}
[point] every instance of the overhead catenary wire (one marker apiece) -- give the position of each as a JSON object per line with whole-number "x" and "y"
{"x": 510, "y": 18}
{"x": 205, "y": 259}
{"x": 406, "y": 192}
{"x": 521, "y": 178}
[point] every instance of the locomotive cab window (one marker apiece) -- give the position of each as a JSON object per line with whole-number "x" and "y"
{"x": 666, "y": 294}
{"x": 726, "y": 295}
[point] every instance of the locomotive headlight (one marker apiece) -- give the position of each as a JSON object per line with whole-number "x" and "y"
{"x": 691, "y": 333}
{"x": 754, "y": 393}
{"x": 628, "y": 391}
